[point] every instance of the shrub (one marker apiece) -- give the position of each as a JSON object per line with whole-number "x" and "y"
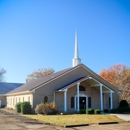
{"x": 89, "y": 111}
{"x": 113, "y": 111}
{"x": 18, "y": 107}
{"x": 82, "y": 111}
{"x": 26, "y": 108}
{"x": 106, "y": 110}
{"x": 97, "y": 111}
{"x": 123, "y": 103}
{"x": 46, "y": 108}
{"x": 123, "y": 109}
{"x": 120, "y": 110}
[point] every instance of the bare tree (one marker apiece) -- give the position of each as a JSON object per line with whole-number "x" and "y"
{"x": 2, "y": 72}
{"x": 39, "y": 73}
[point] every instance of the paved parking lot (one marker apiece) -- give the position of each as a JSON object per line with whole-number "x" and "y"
{"x": 10, "y": 121}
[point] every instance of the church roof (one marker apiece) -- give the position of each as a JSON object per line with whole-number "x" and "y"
{"x": 36, "y": 83}
{"x": 7, "y": 87}
{"x": 46, "y": 79}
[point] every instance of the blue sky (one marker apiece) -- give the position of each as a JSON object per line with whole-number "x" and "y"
{"x": 40, "y": 34}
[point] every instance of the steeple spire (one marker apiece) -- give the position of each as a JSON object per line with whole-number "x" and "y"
{"x": 76, "y": 59}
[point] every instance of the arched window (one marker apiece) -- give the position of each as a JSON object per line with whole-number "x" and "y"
{"x": 72, "y": 102}
{"x": 81, "y": 88}
{"x": 89, "y": 102}
{"x": 45, "y": 99}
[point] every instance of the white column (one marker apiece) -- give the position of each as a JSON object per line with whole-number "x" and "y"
{"x": 78, "y": 96}
{"x": 65, "y": 100}
{"x": 86, "y": 102}
{"x": 111, "y": 100}
{"x": 101, "y": 97}
{"x": 0, "y": 103}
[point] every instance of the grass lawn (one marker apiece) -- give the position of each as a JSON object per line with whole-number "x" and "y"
{"x": 63, "y": 120}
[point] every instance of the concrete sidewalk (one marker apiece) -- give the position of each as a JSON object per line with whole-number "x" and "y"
{"x": 125, "y": 117}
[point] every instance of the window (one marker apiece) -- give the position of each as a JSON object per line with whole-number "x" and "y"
{"x": 45, "y": 99}
{"x": 89, "y": 102}
{"x": 72, "y": 102}
{"x": 81, "y": 88}
{"x": 16, "y": 100}
{"x": 23, "y": 99}
{"x": 29, "y": 98}
{"x": 19, "y": 99}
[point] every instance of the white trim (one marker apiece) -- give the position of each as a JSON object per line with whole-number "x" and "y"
{"x": 19, "y": 93}
{"x": 78, "y": 105}
{"x": 81, "y": 95}
{"x": 100, "y": 83}
{"x": 101, "y": 97}
{"x": 0, "y": 103}
{"x": 107, "y": 91}
{"x": 65, "y": 100}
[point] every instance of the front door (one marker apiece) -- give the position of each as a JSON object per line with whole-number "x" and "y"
{"x": 82, "y": 102}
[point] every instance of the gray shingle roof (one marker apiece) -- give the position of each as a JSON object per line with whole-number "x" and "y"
{"x": 7, "y": 87}
{"x": 40, "y": 81}
{"x": 34, "y": 84}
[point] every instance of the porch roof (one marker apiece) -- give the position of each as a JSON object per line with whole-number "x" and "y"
{"x": 72, "y": 83}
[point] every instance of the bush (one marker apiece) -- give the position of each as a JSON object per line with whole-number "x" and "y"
{"x": 47, "y": 108}
{"x": 18, "y": 107}
{"x": 113, "y": 111}
{"x": 26, "y": 108}
{"x": 106, "y": 110}
{"x": 89, "y": 111}
{"x": 120, "y": 110}
{"x": 97, "y": 111}
{"x": 82, "y": 111}
{"x": 123, "y": 103}
{"x": 123, "y": 109}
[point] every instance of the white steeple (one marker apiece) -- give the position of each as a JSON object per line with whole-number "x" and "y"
{"x": 76, "y": 59}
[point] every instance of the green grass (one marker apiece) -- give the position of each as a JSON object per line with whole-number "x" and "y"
{"x": 63, "y": 120}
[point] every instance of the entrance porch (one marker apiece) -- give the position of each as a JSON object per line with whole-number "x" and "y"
{"x": 84, "y": 93}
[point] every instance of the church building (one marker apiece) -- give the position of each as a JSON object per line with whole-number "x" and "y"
{"x": 71, "y": 89}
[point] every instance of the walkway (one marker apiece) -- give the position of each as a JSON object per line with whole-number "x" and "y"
{"x": 125, "y": 117}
